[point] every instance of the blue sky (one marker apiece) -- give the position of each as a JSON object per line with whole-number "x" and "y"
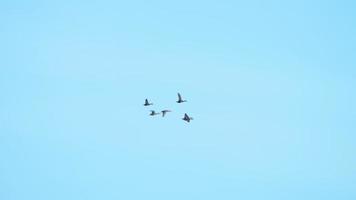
{"x": 270, "y": 85}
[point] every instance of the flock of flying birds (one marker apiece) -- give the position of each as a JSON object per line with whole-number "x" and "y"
{"x": 164, "y": 112}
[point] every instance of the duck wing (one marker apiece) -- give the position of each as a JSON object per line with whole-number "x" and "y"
{"x": 179, "y": 97}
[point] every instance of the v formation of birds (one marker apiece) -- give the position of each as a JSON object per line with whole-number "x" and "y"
{"x": 164, "y": 112}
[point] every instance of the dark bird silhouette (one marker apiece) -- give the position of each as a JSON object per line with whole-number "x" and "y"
{"x": 153, "y": 113}
{"x": 180, "y": 100}
{"x": 164, "y": 112}
{"x": 187, "y": 118}
{"x": 147, "y": 103}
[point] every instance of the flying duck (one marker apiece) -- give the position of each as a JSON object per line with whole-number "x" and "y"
{"x": 180, "y": 100}
{"x": 164, "y": 112}
{"x": 153, "y": 113}
{"x": 147, "y": 103}
{"x": 187, "y": 118}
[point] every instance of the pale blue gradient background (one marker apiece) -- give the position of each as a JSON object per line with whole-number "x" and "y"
{"x": 281, "y": 77}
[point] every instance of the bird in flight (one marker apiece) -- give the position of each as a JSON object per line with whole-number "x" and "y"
{"x": 187, "y": 118}
{"x": 180, "y": 100}
{"x": 147, "y": 103}
{"x": 164, "y": 112}
{"x": 153, "y": 113}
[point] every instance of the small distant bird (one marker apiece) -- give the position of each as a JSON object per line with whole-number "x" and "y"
{"x": 153, "y": 113}
{"x": 180, "y": 100}
{"x": 147, "y": 103}
{"x": 164, "y": 112}
{"x": 187, "y": 118}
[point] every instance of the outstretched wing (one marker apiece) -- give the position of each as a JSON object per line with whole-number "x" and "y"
{"x": 179, "y": 97}
{"x": 186, "y": 116}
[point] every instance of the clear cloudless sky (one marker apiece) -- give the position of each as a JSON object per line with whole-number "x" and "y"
{"x": 270, "y": 84}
